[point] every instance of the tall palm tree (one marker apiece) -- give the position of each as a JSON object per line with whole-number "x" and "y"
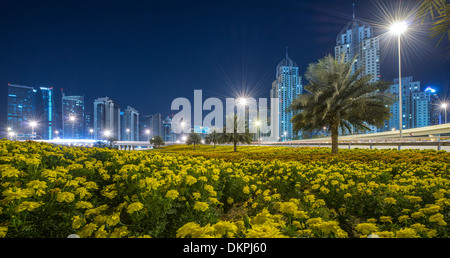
{"x": 339, "y": 97}
{"x": 235, "y": 137}
{"x": 439, "y": 11}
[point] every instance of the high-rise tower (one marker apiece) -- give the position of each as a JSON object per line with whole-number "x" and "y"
{"x": 356, "y": 40}
{"x": 286, "y": 88}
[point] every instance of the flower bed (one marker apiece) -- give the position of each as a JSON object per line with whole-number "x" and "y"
{"x": 55, "y": 191}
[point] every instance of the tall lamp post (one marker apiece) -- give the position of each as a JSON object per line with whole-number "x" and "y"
{"x": 33, "y": 124}
{"x": 444, "y": 106}
{"x": 398, "y": 28}
{"x": 148, "y": 134}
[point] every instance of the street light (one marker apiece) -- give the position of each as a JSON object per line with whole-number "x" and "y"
{"x": 128, "y": 133}
{"x": 242, "y": 101}
{"x": 107, "y": 133}
{"x": 72, "y": 120}
{"x": 444, "y": 106}
{"x": 33, "y": 124}
{"x": 398, "y": 28}
{"x": 258, "y": 124}
{"x": 11, "y": 134}
{"x": 148, "y": 134}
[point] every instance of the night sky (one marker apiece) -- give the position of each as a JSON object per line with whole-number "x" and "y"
{"x": 145, "y": 54}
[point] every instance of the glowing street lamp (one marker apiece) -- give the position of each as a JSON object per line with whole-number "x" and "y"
{"x": 11, "y": 134}
{"x": 242, "y": 101}
{"x": 33, "y": 124}
{"x": 398, "y": 28}
{"x": 148, "y": 134}
{"x": 107, "y": 133}
{"x": 258, "y": 124}
{"x": 128, "y": 133}
{"x": 444, "y": 106}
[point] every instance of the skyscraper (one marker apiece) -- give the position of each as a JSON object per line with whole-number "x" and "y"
{"x": 21, "y": 108}
{"x": 129, "y": 128}
{"x": 286, "y": 88}
{"x": 46, "y": 113}
{"x": 416, "y": 105}
{"x": 106, "y": 118}
{"x": 157, "y": 125}
{"x": 73, "y": 123}
{"x": 169, "y": 135}
{"x": 146, "y": 127}
{"x": 356, "y": 40}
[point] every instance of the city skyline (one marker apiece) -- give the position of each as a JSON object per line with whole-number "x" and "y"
{"x": 229, "y": 82}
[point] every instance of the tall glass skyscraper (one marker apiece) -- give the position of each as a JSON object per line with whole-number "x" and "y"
{"x": 106, "y": 119}
{"x": 21, "y": 108}
{"x": 286, "y": 88}
{"x": 129, "y": 129}
{"x": 357, "y": 40}
{"x": 46, "y": 113}
{"x": 416, "y": 105}
{"x": 73, "y": 122}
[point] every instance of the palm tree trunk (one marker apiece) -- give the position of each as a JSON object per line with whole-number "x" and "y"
{"x": 334, "y": 138}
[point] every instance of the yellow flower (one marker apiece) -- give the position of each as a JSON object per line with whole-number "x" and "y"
{"x": 190, "y": 180}
{"x": 225, "y": 228}
{"x": 246, "y": 190}
{"x": 65, "y": 197}
{"x": 113, "y": 219}
{"x": 3, "y": 231}
{"x": 416, "y": 215}
{"x": 136, "y": 206}
{"x": 366, "y": 228}
{"x": 172, "y": 194}
{"x": 29, "y": 206}
{"x": 201, "y": 206}
{"x": 264, "y": 231}
{"x": 407, "y": 233}
{"x": 77, "y": 222}
{"x": 197, "y": 195}
{"x": 230, "y": 200}
{"x": 101, "y": 232}
{"x": 286, "y": 207}
{"x": 188, "y": 229}
{"x": 120, "y": 232}
{"x": 438, "y": 218}
{"x": 15, "y": 193}
{"x": 386, "y": 219}
{"x": 390, "y": 200}
{"x": 37, "y": 187}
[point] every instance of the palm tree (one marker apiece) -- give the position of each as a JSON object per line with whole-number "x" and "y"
{"x": 213, "y": 137}
{"x": 340, "y": 98}
{"x": 439, "y": 11}
{"x": 234, "y": 136}
{"x": 193, "y": 138}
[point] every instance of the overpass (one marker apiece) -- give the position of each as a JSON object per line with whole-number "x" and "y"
{"x": 430, "y": 137}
